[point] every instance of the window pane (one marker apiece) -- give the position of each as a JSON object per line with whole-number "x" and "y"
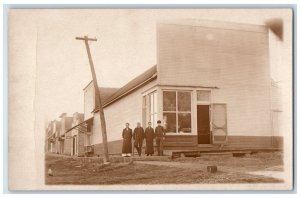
{"x": 148, "y": 108}
{"x": 184, "y": 122}
{"x": 169, "y": 101}
{"x": 170, "y": 122}
{"x": 203, "y": 95}
{"x": 144, "y": 111}
{"x": 152, "y": 103}
{"x": 155, "y": 120}
{"x": 152, "y": 119}
{"x": 155, "y": 102}
{"x": 184, "y": 101}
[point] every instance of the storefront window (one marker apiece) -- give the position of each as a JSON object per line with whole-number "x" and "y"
{"x": 177, "y": 111}
{"x": 150, "y": 109}
{"x": 184, "y": 122}
{"x": 169, "y": 98}
{"x": 170, "y": 122}
{"x": 184, "y": 101}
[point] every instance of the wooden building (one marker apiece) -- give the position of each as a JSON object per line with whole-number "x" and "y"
{"x": 52, "y": 132}
{"x": 211, "y": 87}
{"x": 76, "y": 137}
{"x": 63, "y": 142}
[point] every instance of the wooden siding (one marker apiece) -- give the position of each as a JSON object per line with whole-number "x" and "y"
{"x": 179, "y": 143}
{"x": 233, "y": 141}
{"x": 80, "y": 143}
{"x": 68, "y": 143}
{"x": 235, "y": 61}
{"x": 129, "y": 109}
{"x": 114, "y": 147}
{"x": 89, "y": 101}
{"x": 191, "y": 55}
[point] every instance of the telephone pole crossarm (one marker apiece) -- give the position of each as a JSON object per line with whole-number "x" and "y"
{"x": 86, "y": 38}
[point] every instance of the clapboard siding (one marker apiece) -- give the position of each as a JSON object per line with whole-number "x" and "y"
{"x": 80, "y": 143}
{"x": 250, "y": 141}
{"x": 234, "y": 60}
{"x": 177, "y": 142}
{"x": 180, "y": 143}
{"x": 114, "y": 147}
{"x": 89, "y": 101}
{"x": 128, "y": 109}
{"x": 180, "y": 140}
{"x": 195, "y": 55}
{"x": 68, "y": 143}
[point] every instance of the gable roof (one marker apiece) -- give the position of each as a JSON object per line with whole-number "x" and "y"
{"x": 110, "y": 96}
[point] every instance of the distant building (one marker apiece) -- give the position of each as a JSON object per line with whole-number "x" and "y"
{"x": 77, "y": 136}
{"x": 64, "y": 143}
{"x": 52, "y": 132}
{"x": 49, "y": 137}
{"x": 80, "y": 134}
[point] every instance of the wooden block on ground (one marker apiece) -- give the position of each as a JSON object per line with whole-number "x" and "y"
{"x": 192, "y": 154}
{"x": 212, "y": 169}
{"x": 175, "y": 155}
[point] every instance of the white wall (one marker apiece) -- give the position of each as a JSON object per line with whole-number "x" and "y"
{"x": 235, "y": 61}
{"x": 89, "y": 101}
{"x": 127, "y": 109}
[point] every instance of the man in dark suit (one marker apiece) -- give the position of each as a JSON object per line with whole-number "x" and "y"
{"x": 159, "y": 137}
{"x": 149, "y": 136}
{"x": 127, "y": 136}
{"x": 138, "y": 137}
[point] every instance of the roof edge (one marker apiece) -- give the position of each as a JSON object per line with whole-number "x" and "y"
{"x": 259, "y": 28}
{"x": 148, "y": 80}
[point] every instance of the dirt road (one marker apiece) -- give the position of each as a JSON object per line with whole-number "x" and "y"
{"x": 248, "y": 169}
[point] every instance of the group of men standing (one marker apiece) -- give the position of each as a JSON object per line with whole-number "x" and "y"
{"x": 138, "y": 136}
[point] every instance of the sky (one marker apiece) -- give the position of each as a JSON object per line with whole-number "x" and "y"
{"x": 44, "y": 48}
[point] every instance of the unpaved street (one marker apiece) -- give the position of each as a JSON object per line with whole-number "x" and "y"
{"x": 256, "y": 168}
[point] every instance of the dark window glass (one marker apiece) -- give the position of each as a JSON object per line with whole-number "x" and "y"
{"x": 184, "y": 122}
{"x": 184, "y": 101}
{"x": 169, "y": 101}
{"x": 170, "y": 122}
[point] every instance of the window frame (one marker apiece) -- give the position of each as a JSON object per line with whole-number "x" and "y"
{"x": 153, "y": 111}
{"x": 177, "y": 112}
{"x": 204, "y": 101}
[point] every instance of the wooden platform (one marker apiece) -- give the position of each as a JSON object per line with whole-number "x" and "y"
{"x": 217, "y": 151}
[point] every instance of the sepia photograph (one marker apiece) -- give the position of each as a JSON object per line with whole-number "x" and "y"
{"x": 150, "y": 99}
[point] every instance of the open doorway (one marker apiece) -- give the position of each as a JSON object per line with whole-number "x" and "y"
{"x": 203, "y": 124}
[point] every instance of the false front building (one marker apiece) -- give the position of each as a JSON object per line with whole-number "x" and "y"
{"x": 211, "y": 86}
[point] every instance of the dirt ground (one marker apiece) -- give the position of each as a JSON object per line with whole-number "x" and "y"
{"x": 256, "y": 168}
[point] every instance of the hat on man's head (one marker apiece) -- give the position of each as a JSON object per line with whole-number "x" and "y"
{"x": 158, "y": 121}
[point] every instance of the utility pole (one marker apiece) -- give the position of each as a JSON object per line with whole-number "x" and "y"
{"x": 97, "y": 94}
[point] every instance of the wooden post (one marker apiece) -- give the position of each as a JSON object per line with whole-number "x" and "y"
{"x": 97, "y": 94}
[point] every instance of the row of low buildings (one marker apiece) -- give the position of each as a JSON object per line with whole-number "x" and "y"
{"x": 61, "y": 140}
{"x": 211, "y": 86}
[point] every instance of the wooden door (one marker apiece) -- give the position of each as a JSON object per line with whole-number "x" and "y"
{"x": 219, "y": 124}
